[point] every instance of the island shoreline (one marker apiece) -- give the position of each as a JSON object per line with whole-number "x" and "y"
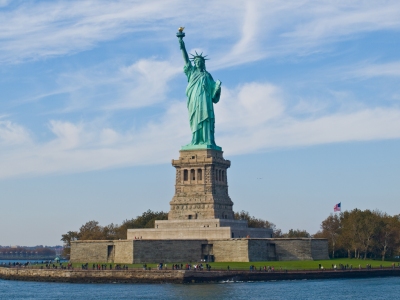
{"x": 183, "y": 276}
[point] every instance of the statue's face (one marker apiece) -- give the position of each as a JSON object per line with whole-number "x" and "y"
{"x": 199, "y": 63}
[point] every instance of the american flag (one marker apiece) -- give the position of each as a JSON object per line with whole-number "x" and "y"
{"x": 337, "y": 207}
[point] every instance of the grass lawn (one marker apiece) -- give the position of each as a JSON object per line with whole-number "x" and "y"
{"x": 285, "y": 265}
{"x": 303, "y": 264}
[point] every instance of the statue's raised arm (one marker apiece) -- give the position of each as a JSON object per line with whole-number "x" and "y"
{"x": 180, "y": 36}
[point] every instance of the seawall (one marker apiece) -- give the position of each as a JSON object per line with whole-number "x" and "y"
{"x": 180, "y": 276}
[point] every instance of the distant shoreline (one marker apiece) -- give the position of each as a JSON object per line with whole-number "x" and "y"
{"x": 16, "y": 259}
{"x": 181, "y": 276}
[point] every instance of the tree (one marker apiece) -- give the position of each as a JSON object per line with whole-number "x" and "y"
{"x": 110, "y": 232}
{"x": 331, "y": 228}
{"x": 369, "y": 233}
{"x": 146, "y": 220}
{"x": 277, "y": 233}
{"x": 254, "y": 222}
{"x": 387, "y": 237}
{"x": 92, "y": 231}
{"x": 67, "y": 239}
{"x": 349, "y": 233}
{"x": 296, "y": 233}
{"x": 368, "y": 223}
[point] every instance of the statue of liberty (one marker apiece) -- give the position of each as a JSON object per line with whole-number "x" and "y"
{"x": 202, "y": 91}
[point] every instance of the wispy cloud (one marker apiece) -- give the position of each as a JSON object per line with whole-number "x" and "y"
{"x": 247, "y": 48}
{"x": 111, "y": 87}
{"x": 313, "y": 25}
{"x": 91, "y": 146}
{"x": 251, "y": 117}
{"x": 342, "y": 18}
{"x": 368, "y": 70}
{"x": 12, "y": 134}
{"x": 146, "y": 82}
{"x": 268, "y": 123}
{"x": 36, "y": 30}
{"x": 304, "y": 27}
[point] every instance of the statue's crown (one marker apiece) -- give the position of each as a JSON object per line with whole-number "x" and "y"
{"x": 198, "y": 56}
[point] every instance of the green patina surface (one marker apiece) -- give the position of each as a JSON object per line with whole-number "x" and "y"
{"x": 196, "y": 147}
{"x": 201, "y": 92}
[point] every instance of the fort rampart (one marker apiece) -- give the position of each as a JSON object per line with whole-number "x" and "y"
{"x": 222, "y": 250}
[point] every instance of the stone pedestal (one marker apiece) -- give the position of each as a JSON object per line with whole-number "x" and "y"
{"x": 201, "y": 186}
{"x": 201, "y": 207}
{"x": 208, "y": 229}
{"x": 200, "y": 225}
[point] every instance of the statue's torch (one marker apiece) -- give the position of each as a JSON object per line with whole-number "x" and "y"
{"x": 180, "y": 34}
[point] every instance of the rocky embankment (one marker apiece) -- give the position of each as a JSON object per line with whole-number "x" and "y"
{"x": 180, "y": 276}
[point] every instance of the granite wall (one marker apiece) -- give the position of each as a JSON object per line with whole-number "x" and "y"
{"x": 90, "y": 251}
{"x": 167, "y": 250}
{"x": 123, "y": 252}
{"x": 300, "y": 248}
{"x": 319, "y": 249}
{"x": 223, "y": 250}
{"x": 230, "y": 250}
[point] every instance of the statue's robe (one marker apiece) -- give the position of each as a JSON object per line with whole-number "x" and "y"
{"x": 202, "y": 91}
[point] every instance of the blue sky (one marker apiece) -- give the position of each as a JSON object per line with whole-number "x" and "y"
{"x": 93, "y": 108}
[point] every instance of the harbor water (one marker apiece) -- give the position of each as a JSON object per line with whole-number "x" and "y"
{"x": 371, "y": 288}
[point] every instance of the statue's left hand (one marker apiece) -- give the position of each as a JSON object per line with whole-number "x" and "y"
{"x": 217, "y": 91}
{"x": 218, "y": 84}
